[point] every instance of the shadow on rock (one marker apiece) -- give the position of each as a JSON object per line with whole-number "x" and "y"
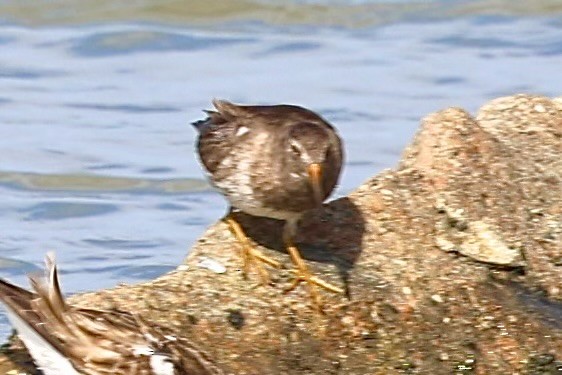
{"x": 332, "y": 234}
{"x": 533, "y": 303}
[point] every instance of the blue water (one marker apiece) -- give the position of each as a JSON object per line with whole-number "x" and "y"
{"x": 114, "y": 99}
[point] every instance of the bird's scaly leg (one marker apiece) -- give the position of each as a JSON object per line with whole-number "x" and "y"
{"x": 250, "y": 255}
{"x": 301, "y": 269}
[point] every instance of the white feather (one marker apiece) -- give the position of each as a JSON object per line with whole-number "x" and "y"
{"x": 47, "y": 358}
{"x": 161, "y": 365}
{"x": 241, "y": 131}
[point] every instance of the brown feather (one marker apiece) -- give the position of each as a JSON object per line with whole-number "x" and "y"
{"x": 99, "y": 342}
{"x": 255, "y": 169}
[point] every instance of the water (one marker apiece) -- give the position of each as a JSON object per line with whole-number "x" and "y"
{"x": 97, "y": 159}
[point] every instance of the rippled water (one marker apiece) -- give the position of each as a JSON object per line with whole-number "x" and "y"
{"x": 97, "y": 158}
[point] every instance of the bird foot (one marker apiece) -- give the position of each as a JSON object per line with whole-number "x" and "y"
{"x": 313, "y": 280}
{"x": 251, "y": 256}
{"x": 254, "y": 258}
{"x": 304, "y": 275}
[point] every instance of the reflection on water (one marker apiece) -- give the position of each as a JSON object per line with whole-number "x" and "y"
{"x": 348, "y": 13}
{"x": 97, "y": 183}
{"x": 97, "y": 158}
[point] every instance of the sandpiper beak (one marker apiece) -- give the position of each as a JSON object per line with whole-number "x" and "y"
{"x": 315, "y": 177}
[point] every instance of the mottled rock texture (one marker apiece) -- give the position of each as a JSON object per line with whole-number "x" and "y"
{"x": 452, "y": 263}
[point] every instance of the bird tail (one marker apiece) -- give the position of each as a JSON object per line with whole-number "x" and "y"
{"x": 46, "y": 303}
{"x": 225, "y": 111}
{"x": 48, "y": 288}
{"x": 200, "y": 124}
{"x": 21, "y": 309}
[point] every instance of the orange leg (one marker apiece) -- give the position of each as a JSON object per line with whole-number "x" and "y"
{"x": 251, "y": 256}
{"x": 301, "y": 269}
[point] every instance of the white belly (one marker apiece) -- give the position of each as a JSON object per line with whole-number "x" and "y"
{"x": 241, "y": 196}
{"x": 239, "y": 192}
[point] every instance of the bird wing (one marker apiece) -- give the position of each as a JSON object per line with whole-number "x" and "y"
{"x": 218, "y": 132}
{"x": 63, "y": 339}
{"x": 45, "y": 351}
{"x": 189, "y": 359}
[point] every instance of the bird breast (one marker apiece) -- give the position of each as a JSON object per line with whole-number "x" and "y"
{"x": 248, "y": 178}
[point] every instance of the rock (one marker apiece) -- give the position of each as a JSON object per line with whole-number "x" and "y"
{"x": 451, "y": 264}
{"x": 484, "y": 244}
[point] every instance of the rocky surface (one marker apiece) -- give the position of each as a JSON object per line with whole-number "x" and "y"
{"x": 452, "y": 264}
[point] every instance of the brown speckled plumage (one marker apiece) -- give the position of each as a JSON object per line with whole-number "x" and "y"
{"x": 64, "y": 339}
{"x": 273, "y": 161}
{"x": 247, "y": 152}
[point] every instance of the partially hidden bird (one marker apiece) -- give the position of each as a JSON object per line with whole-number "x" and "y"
{"x": 64, "y": 339}
{"x": 274, "y": 161}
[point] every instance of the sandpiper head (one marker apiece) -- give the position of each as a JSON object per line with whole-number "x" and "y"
{"x": 309, "y": 146}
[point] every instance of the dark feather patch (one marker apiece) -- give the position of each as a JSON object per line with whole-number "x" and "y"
{"x": 200, "y": 124}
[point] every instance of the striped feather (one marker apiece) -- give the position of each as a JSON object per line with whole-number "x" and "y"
{"x": 63, "y": 339}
